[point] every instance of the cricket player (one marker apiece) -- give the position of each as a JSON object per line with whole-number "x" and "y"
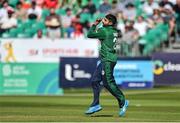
{"x": 107, "y": 35}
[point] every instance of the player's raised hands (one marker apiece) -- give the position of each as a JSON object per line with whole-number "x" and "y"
{"x": 97, "y": 21}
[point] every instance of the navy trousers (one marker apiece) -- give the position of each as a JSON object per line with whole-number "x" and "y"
{"x": 104, "y": 74}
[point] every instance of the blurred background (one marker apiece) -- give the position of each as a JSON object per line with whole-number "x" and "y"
{"x": 146, "y": 25}
{"x": 44, "y": 50}
{"x": 37, "y": 34}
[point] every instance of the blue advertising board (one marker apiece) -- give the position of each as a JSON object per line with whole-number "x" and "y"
{"x": 167, "y": 68}
{"x": 134, "y": 73}
{"x": 128, "y": 72}
{"x": 76, "y": 72}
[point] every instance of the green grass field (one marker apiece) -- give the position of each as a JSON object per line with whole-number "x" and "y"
{"x": 158, "y": 104}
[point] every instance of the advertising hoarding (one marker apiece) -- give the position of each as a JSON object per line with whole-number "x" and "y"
{"x": 34, "y": 50}
{"x": 29, "y": 79}
{"x": 128, "y": 73}
{"x": 76, "y": 72}
{"x": 134, "y": 73}
{"x": 167, "y": 68}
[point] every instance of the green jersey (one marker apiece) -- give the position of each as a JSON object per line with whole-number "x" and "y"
{"x": 107, "y": 36}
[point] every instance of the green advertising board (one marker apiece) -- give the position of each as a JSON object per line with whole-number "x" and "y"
{"x": 29, "y": 79}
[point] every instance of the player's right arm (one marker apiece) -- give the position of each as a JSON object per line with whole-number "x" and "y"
{"x": 93, "y": 33}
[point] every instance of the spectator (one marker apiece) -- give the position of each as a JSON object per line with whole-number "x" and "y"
{"x": 156, "y": 14}
{"x": 78, "y": 28}
{"x": 69, "y": 31}
{"x": 149, "y": 6}
{"x": 122, "y": 4}
{"x": 177, "y": 7}
{"x": 154, "y": 19}
{"x": 125, "y": 2}
{"x": 105, "y": 7}
{"x": 85, "y": 18}
{"x": 39, "y": 35}
{"x": 114, "y": 9}
{"x": 129, "y": 12}
{"x": 67, "y": 20}
{"x": 40, "y": 3}
{"x": 8, "y": 23}
{"x": 34, "y": 12}
{"x": 130, "y": 39}
{"x": 120, "y": 23}
{"x": 25, "y": 4}
{"x": 177, "y": 11}
{"x": 165, "y": 2}
{"x": 169, "y": 18}
{"x": 51, "y": 4}
{"x": 20, "y": 12}
{"x": 75, "y": 28}
{"x": 141, "y": 26}
{"x": 4, "y": 10}
{"x": 91, "y": 7}
{"x": 1, "y": 3}
{"x": 53, "y": 24}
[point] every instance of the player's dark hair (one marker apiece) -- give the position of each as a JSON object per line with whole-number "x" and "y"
{"x": 112, "y": 18}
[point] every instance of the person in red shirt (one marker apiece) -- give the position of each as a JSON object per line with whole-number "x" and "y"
{"x": 78, "y": 28}
{"x": 51, "y": 4}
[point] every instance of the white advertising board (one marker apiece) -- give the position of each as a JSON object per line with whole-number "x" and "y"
{"x": 34, "y": 50}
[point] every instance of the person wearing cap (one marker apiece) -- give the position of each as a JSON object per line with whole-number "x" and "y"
{"x": 107, "y": 35}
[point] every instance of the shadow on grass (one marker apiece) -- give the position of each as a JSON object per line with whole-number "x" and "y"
{"x": 102, "y": 115}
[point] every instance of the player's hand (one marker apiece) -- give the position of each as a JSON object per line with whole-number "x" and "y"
{"x": 97, "y": 21}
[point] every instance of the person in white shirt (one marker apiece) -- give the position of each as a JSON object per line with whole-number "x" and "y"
{"x": 148, "y": 7}
{"x": 34, "y": 12}
{"x": 120, "y": 23}
{"x": 4, "y": 11}
{"x": 67, "y": 21}
{"x": 67, "y": 18}
{"x": 141, "y": 25}
{"x": 8, "y": 23}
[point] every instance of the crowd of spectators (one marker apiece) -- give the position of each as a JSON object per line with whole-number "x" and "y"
{"x": 72, "y": 18}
